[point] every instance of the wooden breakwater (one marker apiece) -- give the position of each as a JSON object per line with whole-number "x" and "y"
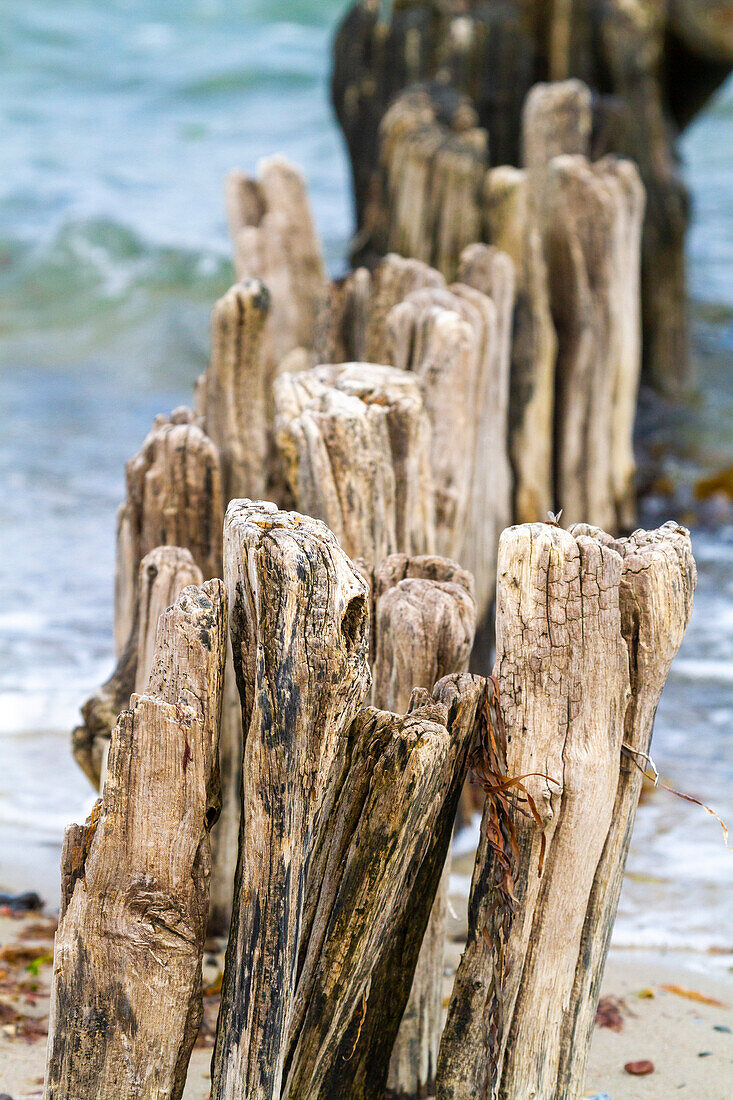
{"x": 651, "y": 67}
{"x": 380, "y": 452}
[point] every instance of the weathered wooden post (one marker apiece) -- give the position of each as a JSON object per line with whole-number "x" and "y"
{"x": 393, "y": 280}
{"x": 651, "y": 66}
{"x": 490, "y": 271}
{"x": 424, "y": 623}
{"x": 586, "y": 630}
{"x": 236, "y": 382}
{"x": 163, "y": 574}
{"x": 279, "y": 568}
{"x": 346, "y": 822}
{"x": 425, "y": 199}
{"x": 355, "y": 441}
{"x": 126, "y": 1000}
{"x": 275, "y": 240}
{"x": 588, "y": 225}
{"x": 455, "y": 340}
{"x": 174, "y": 498}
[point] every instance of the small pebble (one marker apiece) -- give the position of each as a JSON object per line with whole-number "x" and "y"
{"x": 639, "y": 1069}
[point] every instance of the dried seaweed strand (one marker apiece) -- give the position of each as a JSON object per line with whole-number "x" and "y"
{"x": 654, "y": 779}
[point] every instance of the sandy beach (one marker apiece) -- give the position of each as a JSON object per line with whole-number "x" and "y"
{"x": 686, "y": 1035}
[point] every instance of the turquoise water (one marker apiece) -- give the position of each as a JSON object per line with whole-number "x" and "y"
{"x": 119, "y": 123}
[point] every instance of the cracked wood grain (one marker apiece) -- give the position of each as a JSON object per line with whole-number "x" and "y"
{"x": 397, "y": 806}
{"x": 174, "y": 498}
{"x": 424, "y": 622}
{"x": 592, "y": 235}
{"x": 129, "y": 947}
{"x": 299, "y": 625}
{"x": 656, "y": 594}
{"x": 162, "y": 576}
{"x": 355, "y": 442}
{"x": 586, "y": 630}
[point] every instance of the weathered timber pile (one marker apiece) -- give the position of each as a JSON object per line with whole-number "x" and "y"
{"x": 275, "y": 240}
{"x": 332, "y": 976}
{"x": 410, "y": 411}
{"x": 323, "y": 908}
{"x": 587, "y": 627}
{"x": 572, "y": 228}
{"x": 126, "y": 1002}
{"x": 163, "y": 574}
{"x": 431, "y": 89}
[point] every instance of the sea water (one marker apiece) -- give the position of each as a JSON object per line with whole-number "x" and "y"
{"x": 119, "y": 123}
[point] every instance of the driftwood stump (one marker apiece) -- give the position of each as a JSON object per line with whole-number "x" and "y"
{"x": 355, "y": 441}
{"x": 379, "y": 885}
{"x": 163, "y": 574}
{"x": 174, "y": 498}
{"x": 591, "y": 220}
{"x": 424, "y": 622}
{"x": 490, "y": 271}
{"x": 425, "y": 199}
{"x": 302, "y": 677}
{"x": 346, "y": 822}
{"x": 126, "y": 999}
{"x": 576, "y": 613}
{"x": 275, "y": 240}
{"x": 236, "y": 389}
{"x": 513, "y": 229}
{"x": 457, "y": 339}
{"x": 651, "y": 65}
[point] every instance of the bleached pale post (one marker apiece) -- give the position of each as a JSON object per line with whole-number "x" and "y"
{"x": 174, "y": 498}
{"x": 162, "y": 576}
{"x": 302, "y": 678}
{"x": 355, "y": 442}
{"x": 126, "y": 1000}
{"x": 624, "y": 179}
{"x": 424, "y": 623}
{"x": 513, "y": 230}
{"x": 236, "y": 381}
{"x": 656, "y": 593}
{"x": 576, "y": 611}
{"x": 491, "y": 272}
{"x": 592, "y": 221}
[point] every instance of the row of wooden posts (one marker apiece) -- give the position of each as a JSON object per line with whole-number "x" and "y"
{"x": 434, "y": 90}
{"x": 292, "y": 743}
{"x": 347, "y": 813}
